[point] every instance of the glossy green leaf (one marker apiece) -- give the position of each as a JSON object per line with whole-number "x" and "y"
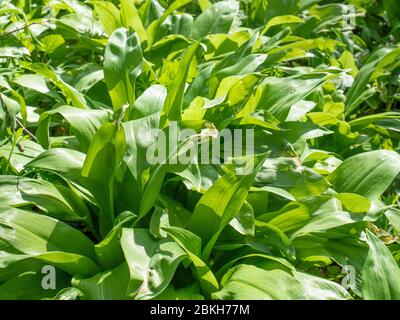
{"x": 380, "y": 280}
{"x": 122, "y": 65}
{"x": 84, "y": 123}
{"x": 249, "y": 282}
{"x": 104, "y": 156}
{"x": 379, "y": 169}
{"x": 217, "y": 18}
{"x": 108, "y": 15}
{"x": 152, "y": 263}
{"x": 173, "y": 103}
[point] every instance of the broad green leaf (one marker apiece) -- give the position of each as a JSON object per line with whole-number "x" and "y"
{"x": 150, "y": 102}
{"x": 239, "y": 62}
{"x": 380, "y": 59}
{"x": 394, "y": 218}
{"x": 244, "y": 221}
{"x": 71, "y": 263}
{"x": 173, "y": 104}
{"x": 28, "y": 286}
{"x": 162, "y": 49}
{"x": 12, "y": 106}
{"x": 33, "y": 81}
{"x": 171, "y": 162}
{"x": 316, "y": 214}
{"x": 187, "y": 293}
{"x": 88, "y": 78}
{"x": 44, "y": 233}
{"x": 152, "y": 29}
{"x": 104, "y": 156}
{"x": 67, "y": 162}
{"x": 140, "y": 135}
{"x": 96, "y": 99}
{"x": 248, "y": 282}
{"x": 122, "y": 65}
{"x": 68, "y": 294}
{"x": 107, "y": 285}
{"x": 220, "y": 204}
{"x": 131, "y": 19}
{"x": 363, "y": 122}
{"x": 84, "y": 124}
{"x": 204, "y": 4}
{"x": 151, "y": 263}
{"x": 108, "y": 251}
{"x": 191, "y": 243}
{"x": 56, "y": 200}
{"x": 32, "y": 236}
{"x": 73, "y": 96}
{"x": 276, "y": 21}
{"x": 280, "y": 94}
{"x": 284, "y": 7}
{"x": 287, "y": 174}
{"x": 19, "y": 158}
{"x": 341, "y": 245}
{"x": 108, "y": 15}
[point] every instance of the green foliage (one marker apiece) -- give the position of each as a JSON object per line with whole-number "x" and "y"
{"x": 87, "y": 88}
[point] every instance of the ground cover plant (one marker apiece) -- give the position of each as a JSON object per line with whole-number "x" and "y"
{"x": 87, "y": 88}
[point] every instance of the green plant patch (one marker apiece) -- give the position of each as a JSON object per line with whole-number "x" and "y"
{"x": 177, "y": 149}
